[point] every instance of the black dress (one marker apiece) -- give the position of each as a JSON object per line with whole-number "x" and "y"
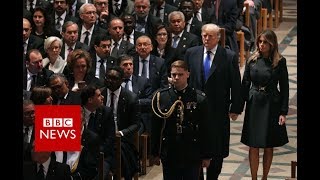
{"x": 265, "y": 103}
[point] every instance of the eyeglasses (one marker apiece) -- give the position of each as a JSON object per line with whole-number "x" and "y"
{"x": 162, "y": 34}
{"x": 28, "y": 113}
{"x": 101, "y": 3}
{"x": 90, "y": 12}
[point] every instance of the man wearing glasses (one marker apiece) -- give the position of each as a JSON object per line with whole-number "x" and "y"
{"x": 88, "y": 29}
{"x": 60, "y": 91}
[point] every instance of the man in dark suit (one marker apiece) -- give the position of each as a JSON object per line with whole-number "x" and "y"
{"x": 161, "y": 9}
{"x": 61, "y": 93}
{"x": 73, "y": 8}
{"x": 215, "y": 70}
{"x": 141, "y": 87}
{"x": 181, "y": 39}
{"x": 126, "y": 117}
{"x": 70, "y": 40}
{"x": 43, "y": 167}
{"x": 175, "y": 3}
{"x": 28, "y": 128}
{"x": 193, "y": 25}
{"x": 30, "y": 5}
{"x": 118, "y": 45}
{"x": 99, "y": 119}
{"x": 228, "y": 14}
{"x": 60, "y": 14}
{"x": 148, "y": 65}
{"x": 119, "y": 8}
{"x": 130, "y": 34}
{"x": 101, "y": 58}
{"x": 203, "y": 14}
{"x": 103, "y": 13}
{"x": 88, "y": 30}
{"x": 145, "y": 22}
{"x": 31, "y": 41}
{"x": 33, "y": 73}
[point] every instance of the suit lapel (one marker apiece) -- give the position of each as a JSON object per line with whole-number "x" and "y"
{"x": 152, "y": 66}
{"x": 121, "y": 106}
{"x": 199, "y": 64}
{"x": 216, "y": 60}
{"x": 134, "y": 84}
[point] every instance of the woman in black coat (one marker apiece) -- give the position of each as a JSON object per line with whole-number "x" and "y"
{"x": 265, "y": 89}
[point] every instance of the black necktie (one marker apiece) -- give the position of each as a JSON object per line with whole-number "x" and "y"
{"x": 127, "y": 83}
{"x": 102, "y": 72}
{"x": 197, "y": 14}
{"x": 91, "y": 122}
{"x": 114, "y": 52}
{"x": 144, "y": 68}
{"x": 158, "y": 11}
{"x": 33, "y": 81}
{"x": 128, "y": 38}
{"x": 86, "y": 39}
{"x": 31, "y": 7}
{"x": 40, "y": 173}
{"x": 117, "y": 10}
{"x": 58, "y": 24}
{"x": 26, "y": 133}
{"x": 111, "y": 100}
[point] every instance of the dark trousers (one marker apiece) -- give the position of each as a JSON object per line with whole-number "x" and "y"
{"x": 181, "y": 173}
{"x": 214, "y": 169}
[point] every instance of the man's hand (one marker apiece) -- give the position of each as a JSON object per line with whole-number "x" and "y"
{"x": 205, "y": 163}
{"x": 103, "y": 15}
{"x": 233, "y": 116}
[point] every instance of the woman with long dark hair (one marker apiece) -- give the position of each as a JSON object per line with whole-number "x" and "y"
{"x": 265, "y": 89}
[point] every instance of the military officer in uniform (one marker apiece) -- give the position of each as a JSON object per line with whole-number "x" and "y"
{"x": 180, "y": 129}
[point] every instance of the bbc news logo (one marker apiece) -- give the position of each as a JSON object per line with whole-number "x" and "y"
{"x": 57, "y": 133}
{"x": 57, "y": 128}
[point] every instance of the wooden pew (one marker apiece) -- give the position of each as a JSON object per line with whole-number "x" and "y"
{"x": 118, "y": 157}
{"x": 240, "y": 38}
{"x": 247, "y": 15}
{"x": 281, "y": 10}
{"x": 293, "y": 171}
{"x": 144, "y": 140}
{"x": 247, "y": 23}
{"x": 222, "y": 41}
{"x": 262, "y": 21}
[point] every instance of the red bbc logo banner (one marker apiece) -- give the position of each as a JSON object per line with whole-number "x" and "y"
{"x": 57, "y": 128}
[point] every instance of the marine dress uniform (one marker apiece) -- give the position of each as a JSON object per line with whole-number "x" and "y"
{"x": 179, "y": 131}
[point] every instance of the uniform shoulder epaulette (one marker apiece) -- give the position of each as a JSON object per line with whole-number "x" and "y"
{"x": 200, "y": 93}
